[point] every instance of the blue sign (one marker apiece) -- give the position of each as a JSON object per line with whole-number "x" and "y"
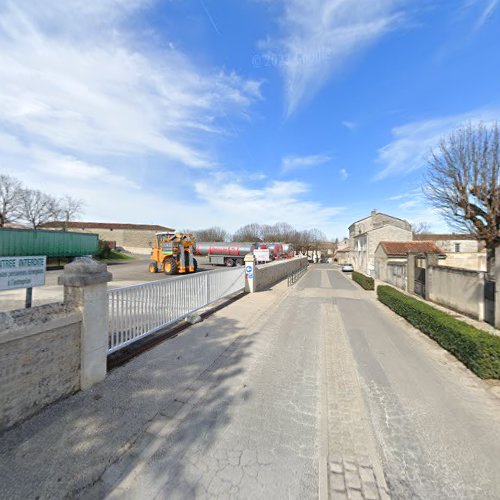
{"x": 249, "y": 271}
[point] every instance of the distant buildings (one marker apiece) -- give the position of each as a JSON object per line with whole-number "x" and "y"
{"x": 456, "y": 250}
{"x": 136, "y": 238}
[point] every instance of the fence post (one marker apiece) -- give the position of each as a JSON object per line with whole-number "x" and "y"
{"x": 497, "y": 287}
{"x": 250, "y": 273}
{"x": 85, "y": 288}
{"x": 481, "y": 284}
{"x": 410, "y": 273}
{"x": 431, "y": 260}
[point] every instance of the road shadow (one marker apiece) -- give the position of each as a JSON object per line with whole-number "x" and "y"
{"x": 65, "y": 449}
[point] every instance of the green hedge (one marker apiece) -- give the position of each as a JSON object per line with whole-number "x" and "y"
{"x": 476, "y": 349}
{"x": 365, "y": 281}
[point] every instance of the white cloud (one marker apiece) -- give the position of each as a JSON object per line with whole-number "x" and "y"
{"x": 413, "y": 142}
{"x": 289, "y": 163}
{"x": 484, "y": 9}
{"x": 76, "y": 80}
{"x": 276, "y": 201}
{"x": 350, "y": 125}
{"x": 344, "y": 174}
{"x": 321, "y": 35}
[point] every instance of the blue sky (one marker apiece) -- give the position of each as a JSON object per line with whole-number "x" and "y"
{"x": 193, "y": 113}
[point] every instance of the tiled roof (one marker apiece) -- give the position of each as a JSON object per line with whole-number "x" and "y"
{"x": 404, "y": 247}
{"x": 440, "y": 237}
{"x": 105, "y": 225}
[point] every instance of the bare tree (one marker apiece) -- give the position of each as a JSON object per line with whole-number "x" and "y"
{"x": 214, "y": 233}
{"x": 463, "y": 183}
{"x": 68, "y": 209}
{"x": 10, "y": 189}
{"x": 421, "y": 228}
{"x": 249, "y": 232}
{"x": 37, "y": 208}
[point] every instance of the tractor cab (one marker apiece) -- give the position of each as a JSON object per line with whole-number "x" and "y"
{"x": 173, "y": 253}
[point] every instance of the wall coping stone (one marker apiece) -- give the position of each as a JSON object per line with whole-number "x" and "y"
{"x": 84, "y": 271}
{"x": 28, "y": 322}
{"x": 457, "y": 270}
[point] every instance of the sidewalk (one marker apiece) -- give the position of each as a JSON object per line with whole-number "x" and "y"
{"x": 68, "y": 446}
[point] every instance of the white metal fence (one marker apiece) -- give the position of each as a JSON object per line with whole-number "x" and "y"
{"x": 139, "y": 310}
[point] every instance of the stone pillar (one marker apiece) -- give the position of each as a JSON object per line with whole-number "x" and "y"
{"x": 431, "y": 261}
{"x": 497, "y": 287}
{"x": 481, "y": 306}
{"x": 410, "y": 273}
{"x": 85, "y": 288}
{"x": 250, "y": 269}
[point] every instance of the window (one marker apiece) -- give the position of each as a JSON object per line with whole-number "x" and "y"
{"x": 457, "y": 247}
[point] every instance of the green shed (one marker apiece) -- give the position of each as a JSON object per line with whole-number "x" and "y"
{"x": 19, "y": 242}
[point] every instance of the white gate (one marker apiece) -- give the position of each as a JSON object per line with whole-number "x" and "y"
{"x": 140, "y": 310}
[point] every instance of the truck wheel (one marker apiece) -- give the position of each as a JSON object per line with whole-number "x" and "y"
{"x": 170, "y": 266}
{"x": 239, "y": 262}
{"x": 229, "y": 262}
{"x": 195, "y": 264}
{"x": 153, "y": 267}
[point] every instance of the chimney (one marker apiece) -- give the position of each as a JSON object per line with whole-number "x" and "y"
{"x": 374, "y": 212}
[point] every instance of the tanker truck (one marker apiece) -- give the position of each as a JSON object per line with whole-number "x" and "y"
{"x": 227, "y": 254}
{"x": 275, "y": 250}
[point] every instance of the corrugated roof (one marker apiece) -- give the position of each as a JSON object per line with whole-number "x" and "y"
{"x": 405, "y": 247}
{"x": 106, "y": 225}
{"x": 440, "y": 237}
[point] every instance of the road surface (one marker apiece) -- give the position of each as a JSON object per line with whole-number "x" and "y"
{"x": 312, "y": 392}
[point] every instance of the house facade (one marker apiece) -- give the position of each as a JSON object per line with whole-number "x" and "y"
{"x": 366, "y": 234}
{"x": 462, "y": 250}
{"x": 391, "y": 259}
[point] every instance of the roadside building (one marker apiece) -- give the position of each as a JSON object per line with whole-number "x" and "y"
{"x": 367, "y": 233}
{"x": 136, "y": 238}
{"x": 462, "y": 250}
{"x": 342, "y": 253}
{"x": 391, "y": 259}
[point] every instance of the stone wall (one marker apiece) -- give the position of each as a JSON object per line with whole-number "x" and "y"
{"x": 133, "y": 240}
{"x": 266, "y": 275}
{"x": 475, "y": 261}
{"x": 459, "y": 289}
{"x": 39, "y": 359}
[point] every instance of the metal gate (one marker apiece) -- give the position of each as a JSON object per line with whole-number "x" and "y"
{"x": 489, "y": 302}
{"x": 140, "y": 310}
{"x": 420, "y": 281}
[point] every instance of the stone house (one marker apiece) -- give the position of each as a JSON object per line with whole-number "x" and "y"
{"x": 391, "y": 259}
{"x": 136, "y": 238}
{"x": 367, "y": 233}
{"x": 462, "y": 250}
{"x": 342, "y": 253}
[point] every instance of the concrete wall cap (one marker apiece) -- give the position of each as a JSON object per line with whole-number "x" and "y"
{"x": 249, "y": 257}
{"x": 84, "y": 271}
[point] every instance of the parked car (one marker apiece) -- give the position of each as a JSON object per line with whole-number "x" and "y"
{"x": 347, "y": 268}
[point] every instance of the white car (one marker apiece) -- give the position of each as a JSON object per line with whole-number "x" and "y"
{"x": 347, "y": 268}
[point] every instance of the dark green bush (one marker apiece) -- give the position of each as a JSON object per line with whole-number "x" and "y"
{"x": 365, "y": 281}
{"x": 104, "y": 250}
{"x": 476, "y": 349}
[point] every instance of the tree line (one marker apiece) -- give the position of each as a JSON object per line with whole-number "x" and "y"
{"x": 32, "y": 206}
{"x": 302, "y": 240}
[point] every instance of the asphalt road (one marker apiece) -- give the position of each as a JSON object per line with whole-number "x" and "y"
{"x": 235, "y": 407}
{"x": 438, "y": 426}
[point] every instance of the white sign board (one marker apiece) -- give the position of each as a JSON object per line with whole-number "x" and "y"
{"x": 261, "y": 255}
{"x": 22, "y": 272}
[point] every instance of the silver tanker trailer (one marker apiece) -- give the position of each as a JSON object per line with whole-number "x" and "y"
{"x": 226, "y": 254}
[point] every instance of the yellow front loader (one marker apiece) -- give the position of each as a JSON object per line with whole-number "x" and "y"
{"x": 173, "y": 253}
